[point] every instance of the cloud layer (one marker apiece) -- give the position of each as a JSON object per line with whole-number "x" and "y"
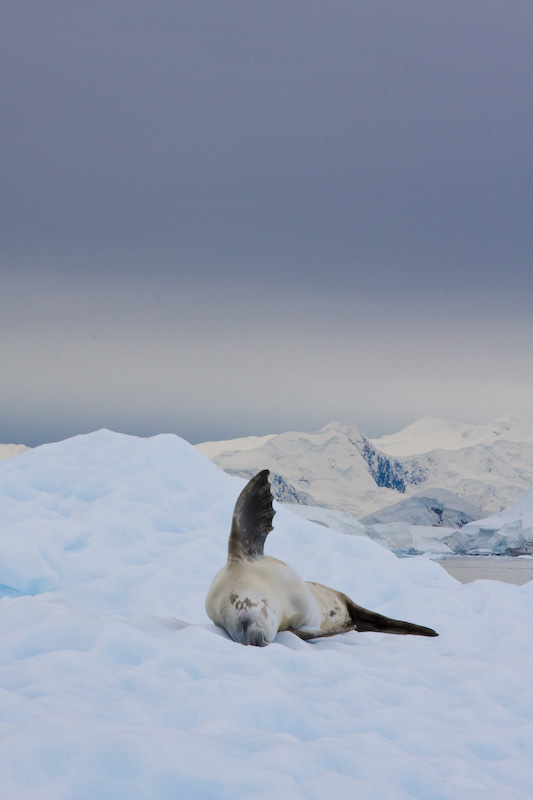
{"x": 223, "y": 219}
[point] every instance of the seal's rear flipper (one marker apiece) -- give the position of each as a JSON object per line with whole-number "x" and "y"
{"x": 365, "y": 620}
{"x": 385, "y": 625}
{"x": 252, "y": 519}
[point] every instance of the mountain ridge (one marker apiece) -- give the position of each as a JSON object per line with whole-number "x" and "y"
{"x": 339, "y": 467}
{"x": 432, "y": 432}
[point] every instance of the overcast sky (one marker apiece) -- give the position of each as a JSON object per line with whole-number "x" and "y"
{"x": 225, "y": 218}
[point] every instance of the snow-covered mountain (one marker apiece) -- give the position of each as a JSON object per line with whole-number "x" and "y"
{"x": 339, "y": 467}
{"x": 508, "y": 533}
{"x": 435, "y": 433}
{"x": 11, "y": 450}
{"x": 212, "y": 449}
{"x": 491, "y": 476}
{"x": 336, "y": 467}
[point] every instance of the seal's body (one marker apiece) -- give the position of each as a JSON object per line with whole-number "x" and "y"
{"x": 254, "y": 596}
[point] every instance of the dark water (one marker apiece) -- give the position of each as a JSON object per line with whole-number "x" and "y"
{"x": 495, "y": 568}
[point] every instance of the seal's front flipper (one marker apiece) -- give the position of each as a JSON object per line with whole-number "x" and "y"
{"x": 308, "y": 634}
{"x": 365, "y": 620}
{"x": 252, "y": 519}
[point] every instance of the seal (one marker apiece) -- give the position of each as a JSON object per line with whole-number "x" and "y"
{"x": 254, "y": 596}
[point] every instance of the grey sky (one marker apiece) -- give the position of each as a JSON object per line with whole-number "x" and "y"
{"x": 224, "y": 218}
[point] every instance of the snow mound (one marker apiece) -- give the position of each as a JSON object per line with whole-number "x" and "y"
{"x": 411, "y": 540}
{"x": 433, "y": 507}
{"x": 398, "y": 537}
{"x": 508, "y": 533}
{"x": 114, "y": 683}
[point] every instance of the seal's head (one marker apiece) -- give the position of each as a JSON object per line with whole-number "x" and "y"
{"x": 248, "y": 618}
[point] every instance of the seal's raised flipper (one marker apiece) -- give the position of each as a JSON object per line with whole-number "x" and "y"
{"x": 252, "y": 519}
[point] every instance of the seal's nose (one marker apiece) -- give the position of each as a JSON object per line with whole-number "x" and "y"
{"x": 257, "y": 638}
{"x": 253, "y": 635}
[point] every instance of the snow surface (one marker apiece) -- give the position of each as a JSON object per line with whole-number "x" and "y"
{"x": 329, "y": 518}
{"x": 114, "y": 684}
